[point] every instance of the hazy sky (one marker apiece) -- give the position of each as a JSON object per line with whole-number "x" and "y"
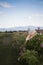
{"x": 21, "y": 13}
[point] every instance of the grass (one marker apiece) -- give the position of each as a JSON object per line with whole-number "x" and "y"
{"x": 9, "y": 47}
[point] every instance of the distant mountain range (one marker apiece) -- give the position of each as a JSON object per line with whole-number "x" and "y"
{"x": 22, "y": 28}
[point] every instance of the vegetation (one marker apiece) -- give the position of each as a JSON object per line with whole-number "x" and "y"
{"x": 34, "y": 55}
{"x": 29, "y": 58}
{"x": 9, "y": 47}
{"x": 10, "y": 43}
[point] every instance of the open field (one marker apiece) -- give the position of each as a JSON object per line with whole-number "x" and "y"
{"x": 9, "y": 46}
{"x": 10, "y": 43}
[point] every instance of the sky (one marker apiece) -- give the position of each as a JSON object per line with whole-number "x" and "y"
{"x": 21, "y": 13}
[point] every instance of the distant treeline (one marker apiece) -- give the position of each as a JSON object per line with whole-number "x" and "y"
{"x": 13, "y": 31}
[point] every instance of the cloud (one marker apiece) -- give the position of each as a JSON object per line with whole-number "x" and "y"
{"x": 37, "y": 15}
{"x": 5, "y": 5}
{"x": 2, "y": 13}
{"x": 30, "y": 17}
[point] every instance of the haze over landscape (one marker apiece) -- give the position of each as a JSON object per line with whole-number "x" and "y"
{"x": 21, "y": 13}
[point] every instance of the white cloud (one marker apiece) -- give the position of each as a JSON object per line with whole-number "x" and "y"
{"x": 1, "y": 13}
{"x": 30, "y": 17}
{"x": 5, "y": 5}
{"x": 37, "y": 15}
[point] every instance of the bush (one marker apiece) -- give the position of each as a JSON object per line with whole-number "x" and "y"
{"x": 29, "y": 58}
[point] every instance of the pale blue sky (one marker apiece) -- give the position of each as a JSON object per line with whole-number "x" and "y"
{"x": 21, "y": 13}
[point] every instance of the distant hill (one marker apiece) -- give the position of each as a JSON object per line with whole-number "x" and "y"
{"x": 22, "y": 28}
